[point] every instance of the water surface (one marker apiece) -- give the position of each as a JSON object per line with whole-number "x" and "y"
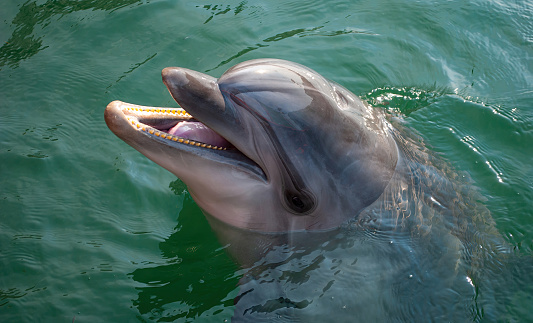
{"x": 90, "y": 230}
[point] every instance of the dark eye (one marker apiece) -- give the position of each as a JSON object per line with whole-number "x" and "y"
{"x": 299, "y": 202}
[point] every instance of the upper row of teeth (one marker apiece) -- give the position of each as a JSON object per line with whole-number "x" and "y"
{"x": 161, "y": 110}
{"x": 164, "y": 135}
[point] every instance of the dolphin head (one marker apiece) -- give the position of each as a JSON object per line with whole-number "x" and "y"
{"x": 270, "y": 146}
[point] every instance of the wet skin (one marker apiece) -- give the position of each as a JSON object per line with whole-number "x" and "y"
{"x": 270, "y": 146}
{"x": 320, "y": 200}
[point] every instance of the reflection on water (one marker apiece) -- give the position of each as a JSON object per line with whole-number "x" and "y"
{"x": 403, "y": 101}
{"x": 133, "y": 68}
{"x": 221, "y": 9}
{"x": 23, "y": 44}
{"x": 299, "y": 32}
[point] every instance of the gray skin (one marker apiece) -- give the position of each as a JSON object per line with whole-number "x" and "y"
{"x": 305, "y": 153}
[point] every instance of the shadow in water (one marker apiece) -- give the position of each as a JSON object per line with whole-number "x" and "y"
{"x": 23, "y": 44}
{"x": 196, "y": 276}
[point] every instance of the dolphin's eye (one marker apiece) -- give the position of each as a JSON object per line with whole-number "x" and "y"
{"x": 299, "y": 202}
{"x": 296, "y": 201}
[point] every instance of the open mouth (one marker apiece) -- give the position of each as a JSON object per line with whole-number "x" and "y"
{"x": 174, "y": 124}
{"x": 177, "y": 128}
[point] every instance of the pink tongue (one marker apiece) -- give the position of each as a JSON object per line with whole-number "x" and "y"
{"x": 198, "y": 132}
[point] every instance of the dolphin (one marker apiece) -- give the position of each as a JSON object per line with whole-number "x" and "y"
{"x": 296, "y": 174}
{"x": 270, "y": 146}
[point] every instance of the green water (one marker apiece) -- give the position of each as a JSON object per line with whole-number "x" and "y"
{"x": 92, "y": 231}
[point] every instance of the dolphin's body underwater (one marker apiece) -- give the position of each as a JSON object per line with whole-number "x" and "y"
{"x": 279, "y": 159}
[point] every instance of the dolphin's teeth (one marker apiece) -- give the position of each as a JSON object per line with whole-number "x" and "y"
{"x": 160, "y": 110}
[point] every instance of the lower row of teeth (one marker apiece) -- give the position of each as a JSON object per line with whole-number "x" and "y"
{"x": 170, "y": 137}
